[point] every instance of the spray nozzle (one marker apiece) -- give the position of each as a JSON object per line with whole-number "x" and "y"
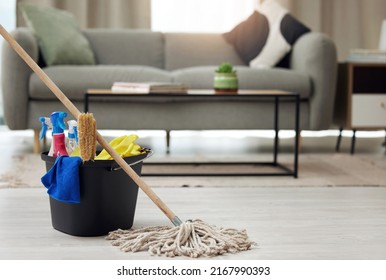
{"x": 46, "y": 124}
{"x": 57, "y": 120}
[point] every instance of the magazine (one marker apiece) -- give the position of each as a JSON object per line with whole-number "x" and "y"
{"x": 149, "y": 87}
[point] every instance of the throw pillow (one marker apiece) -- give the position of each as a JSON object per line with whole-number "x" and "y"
{"x": 59, "y": 36}
{"x": 249, "y": 36}
{"x": 267, "y": 36}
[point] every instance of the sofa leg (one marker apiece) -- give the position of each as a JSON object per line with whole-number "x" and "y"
{"x": 36, "y": 147}
{"x": 337, "y": 146}
{"x": 300, "y": 141}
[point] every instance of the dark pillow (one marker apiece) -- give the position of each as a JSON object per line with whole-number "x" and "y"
{"x": 249, "y": 36}
{"x": 266, "y": 37}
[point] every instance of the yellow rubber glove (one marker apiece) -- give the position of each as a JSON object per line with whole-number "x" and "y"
{"x": 123, "y": 145}
{"x": 75, "y": 152}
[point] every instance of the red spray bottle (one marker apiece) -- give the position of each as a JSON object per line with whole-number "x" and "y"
{"x": 58, "y": 137}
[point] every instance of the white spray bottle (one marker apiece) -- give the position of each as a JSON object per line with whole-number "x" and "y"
{"x": 72, "y": 136}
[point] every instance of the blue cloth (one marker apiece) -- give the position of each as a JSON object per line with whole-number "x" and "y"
{"x": 62, "y": 180}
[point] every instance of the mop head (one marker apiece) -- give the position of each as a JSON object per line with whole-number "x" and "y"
{"x": 87, "y": 136}
{"x": 191, "y": 239}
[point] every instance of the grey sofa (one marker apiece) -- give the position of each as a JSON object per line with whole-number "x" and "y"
{"x": 137, "y": 55}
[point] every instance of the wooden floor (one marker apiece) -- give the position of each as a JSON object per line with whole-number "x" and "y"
{"x": 286, "y": 222}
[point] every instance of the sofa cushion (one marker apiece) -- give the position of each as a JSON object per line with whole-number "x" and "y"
{"x": 267, "y": 36}
{"x": 58, "y": 34}
{"x": 275, "y": 78}
{"x": 127, "y": 46}
{"x": 249, "y": 78}
{"x": 75, "y": 80}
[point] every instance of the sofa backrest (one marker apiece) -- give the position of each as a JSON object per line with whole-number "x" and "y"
{"x": 127, "y": 47}
{"x": 198, "y": 49}
{"x": 167, "y": 51}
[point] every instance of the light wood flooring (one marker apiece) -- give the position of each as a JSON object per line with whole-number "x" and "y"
{"x": 286, "y": 222}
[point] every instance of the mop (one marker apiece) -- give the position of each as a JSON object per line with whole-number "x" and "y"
{"x": 193, "y": 238}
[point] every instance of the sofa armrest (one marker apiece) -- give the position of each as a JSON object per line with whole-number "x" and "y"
{"x": 15, "y": 78}
{"x": 315, "y": 55}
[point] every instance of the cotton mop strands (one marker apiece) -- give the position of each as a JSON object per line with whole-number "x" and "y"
{"x": 192, "y": 238}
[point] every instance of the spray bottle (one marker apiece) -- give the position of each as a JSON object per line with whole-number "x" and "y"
{"x": 46, "y": 124}
{"x": 58, "y": 138}
{"x": 72, "y": 136}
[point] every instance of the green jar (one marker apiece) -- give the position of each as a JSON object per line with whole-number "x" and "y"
{"x": 225, "y": 82}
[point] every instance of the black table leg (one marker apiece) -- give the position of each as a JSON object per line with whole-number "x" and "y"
{"x": 337, "y": 147}
{"x": 384, "y": 143}
{"x": 296, "y": 148}
{"x": 86, "y": 102}
{"x": 276, "y": 127}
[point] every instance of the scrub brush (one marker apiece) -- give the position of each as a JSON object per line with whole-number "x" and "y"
{"x": 87, "y": 136}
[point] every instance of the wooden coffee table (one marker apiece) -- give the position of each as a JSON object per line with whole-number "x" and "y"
{"x": 276, "y": 95}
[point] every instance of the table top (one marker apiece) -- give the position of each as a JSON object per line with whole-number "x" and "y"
{"x": 375, "y": 63}
{"x": 199, "y": 92}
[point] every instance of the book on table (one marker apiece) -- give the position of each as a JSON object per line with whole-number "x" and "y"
{"x": 367, "y": 55}
{"x": 149, "y": 87}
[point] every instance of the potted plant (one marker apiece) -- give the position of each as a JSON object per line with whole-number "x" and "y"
{"x": 225, "y": 79}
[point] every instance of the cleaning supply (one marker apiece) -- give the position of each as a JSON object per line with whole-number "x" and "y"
{"x": 72, "y": 136}
{"x": 124, "y": 145}
{"x": 87, "y": 136}
{"x": 62, "y": 180}
{"x": 58, "y": 137}
{"x": 192, "y": 238}
{"x": 46, "y": 125}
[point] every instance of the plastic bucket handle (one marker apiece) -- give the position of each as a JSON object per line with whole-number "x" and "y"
{"x": 149, "y": 153}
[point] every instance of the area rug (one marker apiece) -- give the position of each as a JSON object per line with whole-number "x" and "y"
{"x": 328, "y": 170}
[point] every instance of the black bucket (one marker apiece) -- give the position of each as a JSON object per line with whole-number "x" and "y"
{"x": 108, "y": 197}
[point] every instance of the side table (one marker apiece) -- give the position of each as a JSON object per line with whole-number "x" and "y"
{"x": 361, "y": 98}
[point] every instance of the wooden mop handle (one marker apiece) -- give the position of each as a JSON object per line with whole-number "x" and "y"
{"x": 75, "y": 112}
